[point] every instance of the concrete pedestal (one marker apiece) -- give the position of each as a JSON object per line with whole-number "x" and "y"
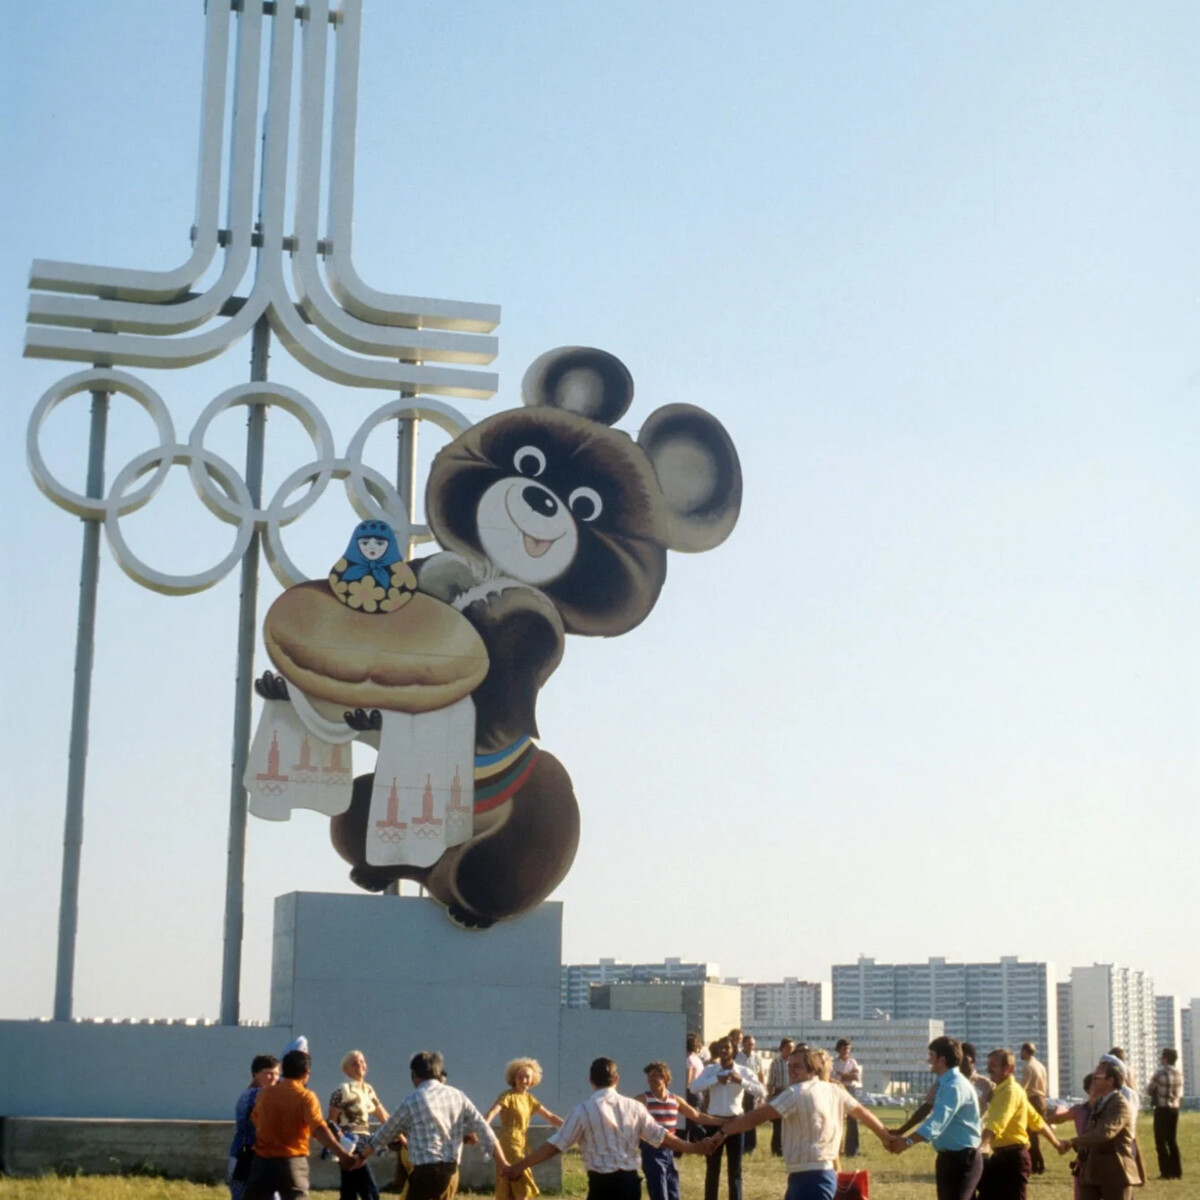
{"x": 391, "y": 975}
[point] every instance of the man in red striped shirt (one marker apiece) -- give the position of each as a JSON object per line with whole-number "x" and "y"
{"x": 658, "y": 1162}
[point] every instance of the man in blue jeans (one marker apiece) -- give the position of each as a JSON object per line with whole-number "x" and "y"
{"x": 953, "y": 1128}
{"x": 658, "y": 1162}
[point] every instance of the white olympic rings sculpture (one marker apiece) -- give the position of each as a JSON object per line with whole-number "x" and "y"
{"x": 220, "y": 486}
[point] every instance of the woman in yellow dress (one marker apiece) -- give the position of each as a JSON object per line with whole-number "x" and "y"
{"x": 516, "y": 1108}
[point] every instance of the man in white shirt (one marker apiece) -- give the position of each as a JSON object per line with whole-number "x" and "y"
{"x": 813, "y": 1113}
{"x": 750, "y": 1058}
{"x": 608, "y": 1128}
{"x": 726, "y": 1080}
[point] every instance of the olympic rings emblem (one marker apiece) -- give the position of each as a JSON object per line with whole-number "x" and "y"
{"x": 220, "y": 486}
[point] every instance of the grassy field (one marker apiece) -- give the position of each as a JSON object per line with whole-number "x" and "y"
{"x": 909, "y": 1177}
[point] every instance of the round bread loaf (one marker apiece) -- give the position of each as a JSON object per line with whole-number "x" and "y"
{"x": 423, "y": 656}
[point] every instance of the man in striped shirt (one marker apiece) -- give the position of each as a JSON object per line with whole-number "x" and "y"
{"x": 436, "y": 1118}
{"x": 607, "y": 1127}
{"x": 658, "y": 1162}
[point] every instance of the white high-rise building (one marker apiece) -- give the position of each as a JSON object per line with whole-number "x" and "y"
{"x": 1070, "y": 1081}
{"x": 1166, "y": 1025}
{"x": 991, "y": 1004}
{"x": 792, "y": 1004}
{"x": 578, "y": 978}
{"x": 1189, "y": 1052}
{"x": 1113, "y": 1006}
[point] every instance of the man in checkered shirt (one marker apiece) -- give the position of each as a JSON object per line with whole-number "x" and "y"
{"x": 435, "y": 1118}
{"x": 1166, "y": 1092}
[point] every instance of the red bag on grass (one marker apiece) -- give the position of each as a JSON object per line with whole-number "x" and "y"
{"x": 853, "y": 1185}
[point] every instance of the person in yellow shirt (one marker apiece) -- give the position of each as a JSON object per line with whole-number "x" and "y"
{"x": 283, "y": 1123}
{"x": 1007, "y": 1125}
{"x": 516, "y": 1108}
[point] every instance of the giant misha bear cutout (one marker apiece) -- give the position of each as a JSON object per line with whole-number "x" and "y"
{"x": 551, "y": 522}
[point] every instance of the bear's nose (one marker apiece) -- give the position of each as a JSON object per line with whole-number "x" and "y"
{"x": 540, "y": 501}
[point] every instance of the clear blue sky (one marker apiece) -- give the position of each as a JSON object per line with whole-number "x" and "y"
{"x": 935, "y": 266}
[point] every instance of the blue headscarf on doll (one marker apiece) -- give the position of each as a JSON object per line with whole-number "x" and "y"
{"x": 380, "y": 567}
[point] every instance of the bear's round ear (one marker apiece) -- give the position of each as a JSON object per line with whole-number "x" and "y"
{"x": 590, "y": 383}
{"x": 699, "y": 473}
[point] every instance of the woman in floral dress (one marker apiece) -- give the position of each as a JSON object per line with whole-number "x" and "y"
{"x": 351, "y": 1107}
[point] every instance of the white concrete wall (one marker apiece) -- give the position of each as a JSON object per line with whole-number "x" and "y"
{"x": 85, "y": 1069}
{"x": 631, "y": 1039}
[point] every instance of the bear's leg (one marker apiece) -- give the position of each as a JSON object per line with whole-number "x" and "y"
{"x": 348, "y": 833}
{"x": 519, "y": 861}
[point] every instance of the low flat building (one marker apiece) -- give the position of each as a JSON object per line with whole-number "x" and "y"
{"x": 710, "y": 1009}
{"x": 579, "y": 978}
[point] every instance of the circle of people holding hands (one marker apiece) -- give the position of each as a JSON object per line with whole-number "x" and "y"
{"x": 984, "y": 1129}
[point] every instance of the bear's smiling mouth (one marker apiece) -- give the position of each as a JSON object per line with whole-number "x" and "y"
{"x": 536, "y": 547}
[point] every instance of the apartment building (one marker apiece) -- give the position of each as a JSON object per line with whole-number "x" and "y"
{"x": 792, "y": 1003}
{"x": 992, "y": 1004}
{"x": 1189, "y": 1052}
{"x": 1167, "y": 1030}
{"x": 1113, "y": 1006}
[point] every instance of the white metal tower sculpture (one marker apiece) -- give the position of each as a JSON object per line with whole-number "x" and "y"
{"x": 329, "y": 320}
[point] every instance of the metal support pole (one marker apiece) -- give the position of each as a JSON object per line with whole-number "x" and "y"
{"x": 235, "y": 869}
{"x": 406, "y": 471}
{"x": 85, "y": 641}
{"x": 406, "y": 485}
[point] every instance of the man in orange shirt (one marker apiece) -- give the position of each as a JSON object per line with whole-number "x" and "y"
{"x": 282, "y": 1125}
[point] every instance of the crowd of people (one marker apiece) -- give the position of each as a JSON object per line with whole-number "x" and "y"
{"x": 985, "y": 1130}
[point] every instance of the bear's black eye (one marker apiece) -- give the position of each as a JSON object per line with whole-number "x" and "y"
{"x": 529, "y": 460}
{"x": 585, "y": 503}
